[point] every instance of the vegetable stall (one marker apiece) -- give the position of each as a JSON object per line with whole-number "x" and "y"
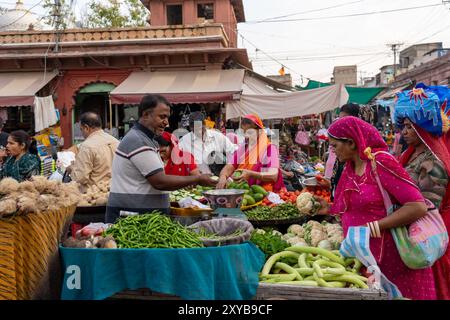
{"x": 280, "y": 249}
{"x": 34, "y": 217}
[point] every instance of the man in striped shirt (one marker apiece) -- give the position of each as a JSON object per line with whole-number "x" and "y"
{"x": 139, "y": 183}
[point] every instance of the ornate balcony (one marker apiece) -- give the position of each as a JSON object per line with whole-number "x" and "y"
{"x": 86, "y": 35}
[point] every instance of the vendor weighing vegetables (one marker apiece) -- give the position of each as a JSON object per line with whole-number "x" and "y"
{"x": 256, "y": 160}
{"x": 138, "y": 177}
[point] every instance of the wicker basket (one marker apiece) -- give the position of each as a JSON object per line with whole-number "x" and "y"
{"x": 278, "y": 222}
{"x": 27, "y": 244}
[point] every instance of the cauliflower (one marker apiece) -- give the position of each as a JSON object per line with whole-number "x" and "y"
{"x": 301, "y": 243}
{"x": 260, "y": 231}
{"x": 307, "y": 204}
{"x": 288, "y": 236}
{"x": 314, "y": 232}
{"x": 277, "y": 233}
{"x": 296, "y": 229}
{"x": 317, "y": 236}
{"x": 304, "y": 203}
{"x": 297, "y": 241}
{"x": 325, "y": 244}
{"x": 312, "y": 224}
{"x": 335, "y": 234}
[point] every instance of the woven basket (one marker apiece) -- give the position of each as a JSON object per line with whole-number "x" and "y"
{"x": 27, "y": 243}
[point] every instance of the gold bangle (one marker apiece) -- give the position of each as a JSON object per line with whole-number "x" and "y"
{"x": 369, "y": 224}
{"x": 377, "y": 229}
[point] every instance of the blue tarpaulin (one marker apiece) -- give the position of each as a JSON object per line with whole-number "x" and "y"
{"x": 223, "y": 273}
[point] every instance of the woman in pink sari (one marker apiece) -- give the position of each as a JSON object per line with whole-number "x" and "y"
{"x": 359, "y": 201}
{"x": 257, "y": 158}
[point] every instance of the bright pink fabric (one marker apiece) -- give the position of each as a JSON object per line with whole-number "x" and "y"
{"x": 359, "y": 201}
{"x": 270, "y": 160}
{"x": 233, "y": 137}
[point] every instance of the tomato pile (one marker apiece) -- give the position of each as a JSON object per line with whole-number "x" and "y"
{"x": 285, "y": 195}
{"x": 289, "y": 196}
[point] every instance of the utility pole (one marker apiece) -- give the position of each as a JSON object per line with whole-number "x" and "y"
{"x": 361, "y": 78}
{"x": 58, "y": 22}
{"x": 394, "y": 47}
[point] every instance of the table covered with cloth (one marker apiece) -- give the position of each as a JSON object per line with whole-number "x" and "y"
{"x": 221, "y": 273}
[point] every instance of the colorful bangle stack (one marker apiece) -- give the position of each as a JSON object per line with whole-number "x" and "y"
{"x": 375, "y": 231}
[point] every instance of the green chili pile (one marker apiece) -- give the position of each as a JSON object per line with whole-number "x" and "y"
{"x": 282, "y": 211}
{"x": 152, "y": 230}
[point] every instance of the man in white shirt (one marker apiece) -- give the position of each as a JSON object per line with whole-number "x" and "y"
{"x": 210, "y": 148}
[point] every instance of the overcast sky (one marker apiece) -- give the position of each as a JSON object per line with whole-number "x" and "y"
{"x": 311, "y": 48}
{"x": 314, "y": 47}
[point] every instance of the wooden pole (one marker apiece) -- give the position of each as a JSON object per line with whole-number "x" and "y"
{"x": 110, "y": 113}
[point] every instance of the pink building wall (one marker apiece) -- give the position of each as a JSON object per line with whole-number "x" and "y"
{"x": 223, "y": 13}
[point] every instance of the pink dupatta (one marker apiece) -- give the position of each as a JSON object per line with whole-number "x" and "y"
{"x": 365, "y": 136}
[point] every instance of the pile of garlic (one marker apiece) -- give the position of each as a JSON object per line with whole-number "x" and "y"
{"x": 37, "y": 195}
{"x": 96, "y": 195}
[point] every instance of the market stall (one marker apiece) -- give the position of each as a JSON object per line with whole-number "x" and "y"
{"x": 34, "y": 217}
{"x": 288, "y": 104}
{"x": 220, "y": 258}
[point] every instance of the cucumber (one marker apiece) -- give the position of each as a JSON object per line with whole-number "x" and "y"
{"x": 250, "y": 200}
{"x": 257, "y": 196}
{"x": 240, "y": 186}
{"x": 232, "y": 185}
{"x": 259, "y": 189}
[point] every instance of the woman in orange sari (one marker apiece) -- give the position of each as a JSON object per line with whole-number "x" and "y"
{"x": 257, "y": 159}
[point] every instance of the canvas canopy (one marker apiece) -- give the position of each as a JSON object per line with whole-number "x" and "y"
{"x": 286, "y": 105}
{"x": 181, "y": 86}
{"x": 20, "y": 88}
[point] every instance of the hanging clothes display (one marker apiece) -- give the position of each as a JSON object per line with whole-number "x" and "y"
{"x": 44, "y": 113}
{"x": 4, "y": 114}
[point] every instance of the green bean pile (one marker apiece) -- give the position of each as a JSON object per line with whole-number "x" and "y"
{"x": 152, "y": 230}
{"x": 282, "y": 211}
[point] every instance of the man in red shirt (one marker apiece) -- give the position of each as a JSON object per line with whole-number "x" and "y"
{"x": 177, "y": 162}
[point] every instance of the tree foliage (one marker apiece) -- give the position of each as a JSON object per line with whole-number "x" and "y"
{"x": 97, "y": 14}
{"x": 65, "y": 10}
{"x": 113, "y": 14}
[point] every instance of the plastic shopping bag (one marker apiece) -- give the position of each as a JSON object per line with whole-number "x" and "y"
{"x": 57, "y": 176}
{"x": 356, "y": 245}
